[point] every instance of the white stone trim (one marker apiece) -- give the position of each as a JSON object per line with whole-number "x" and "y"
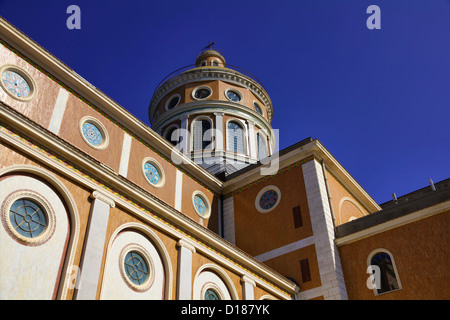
{"x": 58, "y": 111}
{"x": 184, "y": 281}
{"x": 160, "y": 247}
{"x": 91, "y": 261}
{"x": 125, "y": 156}
{"x": 228, "y": 220}
{"x": 221, "y": 274}
{"x": 96, "y": 194}
{"x": 330, "y": 269}
{"x": 285, "y": 249}
{"x": 341, "y": 202}
{"x": 218, "y": 132}
{"x": 248, "y": 286}
{"x": 178, "y": 189}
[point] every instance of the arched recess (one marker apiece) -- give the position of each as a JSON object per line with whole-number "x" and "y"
{"x": 114, "y": 284}
{"x": 349, "y": 210}
{"x": 65, "y": 236}
{"x": 212, "y": 276}
{"x": 236, "y": 136}
{"x": 202, "y": 137}
{"x": 381, "y": 264}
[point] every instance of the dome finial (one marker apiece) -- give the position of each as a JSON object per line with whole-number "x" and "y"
{"x": 206, "y": 56}
{"x": 209, "y": 46}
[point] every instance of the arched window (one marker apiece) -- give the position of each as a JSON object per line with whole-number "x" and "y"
{"x": 261, "y": 145}
{"x": 235, "y": 137}
{"x": 384, "y": 271}
{"x": 201, "y": 135}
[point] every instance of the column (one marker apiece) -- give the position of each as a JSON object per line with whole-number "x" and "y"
{"x": 184, "y": 135}
{"x": 247, "y": 288}
{"x": 251, "y": 140}
{"x": 184, "y": 283}
{"x": 218, "y": 134}
{"x": 94, "y": 246}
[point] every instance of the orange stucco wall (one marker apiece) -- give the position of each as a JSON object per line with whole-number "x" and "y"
{"x": 257, "y": 232}
{"x": 421, "y": 253}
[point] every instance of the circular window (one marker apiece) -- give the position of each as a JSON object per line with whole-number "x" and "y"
{"x": 153, "y": 172}
{"x": 210, "y": 294}
{"x": 233, "y": 95}
{"x": 201, "y": 205}
{"x": 17, "y": 83}
{"x": 28, "y": 217}
{"x": 94, "y": 133}
{"x": 267, "y": 199}
{"x": 136, "y": 267}
{"x": 257, "y": 108}
{"x": 201, "y": 93}
{"x": 173, "y": 102}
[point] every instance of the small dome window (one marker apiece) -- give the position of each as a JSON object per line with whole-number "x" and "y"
{"x": 201, "y": 93}
{"x": 233, "y": 95}
{"x": 173, "y": 102}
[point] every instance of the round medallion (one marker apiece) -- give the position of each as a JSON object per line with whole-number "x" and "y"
{"x": 201, "y": 204}
{"x": 92, "y": 134}
{"x": 16, "y": 84}
{"x": 268, "y": 199}
{"x": 151, "y": 173}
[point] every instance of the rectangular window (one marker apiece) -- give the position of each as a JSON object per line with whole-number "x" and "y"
{"x": 304, "y": 268}
{"x": 297, "y": 213}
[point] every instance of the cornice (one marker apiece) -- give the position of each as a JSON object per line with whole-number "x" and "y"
{"x": 211, "y": 106}
{"x": 65, "y": 76}
{"x": 138, "y": 201}
{"x": 394, "y": 223}
{"x": 205, "y": 74}
{"x": 306, "y": 152}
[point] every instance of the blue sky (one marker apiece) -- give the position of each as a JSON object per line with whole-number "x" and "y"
{"x": 379, "y": 100}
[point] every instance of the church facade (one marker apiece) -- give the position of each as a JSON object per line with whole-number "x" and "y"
{"x": 201, "y": 206}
